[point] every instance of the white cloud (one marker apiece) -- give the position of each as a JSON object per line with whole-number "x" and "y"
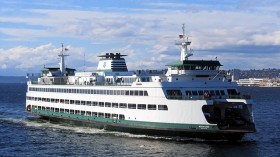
{"x": 138, "y": 27}
{"x": 22, "y": 57}
{"x": 147, "y": 35}
{"x": 3, "y": 66}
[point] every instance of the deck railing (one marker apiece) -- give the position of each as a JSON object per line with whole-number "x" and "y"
{"x": 81, "y": 84}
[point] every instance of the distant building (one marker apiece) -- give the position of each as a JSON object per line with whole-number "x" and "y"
{"x": 235, "y": 74}
{"x": 250, "y": 82}
{"x": 259, "y": 82}
{"x": 270, "y": 82}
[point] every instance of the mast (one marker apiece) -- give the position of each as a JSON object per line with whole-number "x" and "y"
{"x": 183, "y": 43}
{"x": 62, "y": 56}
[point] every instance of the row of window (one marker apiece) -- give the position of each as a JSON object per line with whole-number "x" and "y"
{"x": 198, "y": 67}
{"x": 101, "y": 104}
{"x": 80, "y": 112}
{"x": 92, "y": 91}
{"x": 196, "y": 92}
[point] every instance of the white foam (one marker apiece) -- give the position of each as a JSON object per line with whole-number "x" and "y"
{"x": 39, "y": 123}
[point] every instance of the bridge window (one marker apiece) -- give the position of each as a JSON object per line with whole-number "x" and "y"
{"x": 217, "y": 92}
{"x": 212, "y": 92}
{"x": 232, "y": 92}
{"x": 222, "y": 92}
{"x": 188, "y": 93}
{"x": 194, "y": 92}
{"x": 174, "y": 92}
{"x": 200, "y": 92}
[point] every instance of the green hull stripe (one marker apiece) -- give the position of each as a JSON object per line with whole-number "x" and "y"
{"x": 130, "y": 123}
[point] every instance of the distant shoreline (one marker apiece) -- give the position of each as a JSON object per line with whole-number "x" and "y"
{"x": 13, "y": 79}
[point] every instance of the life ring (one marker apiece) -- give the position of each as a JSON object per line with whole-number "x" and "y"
{"x": 28, "y": 108}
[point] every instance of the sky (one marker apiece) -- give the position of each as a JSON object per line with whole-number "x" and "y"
{"x": 242, "y": 34}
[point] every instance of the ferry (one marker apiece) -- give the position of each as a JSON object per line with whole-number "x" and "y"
{"x": 190, "y": 98}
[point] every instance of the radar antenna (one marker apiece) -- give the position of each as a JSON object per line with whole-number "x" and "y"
{"x": 183, "y": 43}
{"x": 62, "y": 56}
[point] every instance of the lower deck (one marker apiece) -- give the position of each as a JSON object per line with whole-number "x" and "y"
{"x": 120, "y": 119}
{"x": 145, "y": 128}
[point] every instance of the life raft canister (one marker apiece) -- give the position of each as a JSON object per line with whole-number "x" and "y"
{"x": 28, "y": 108}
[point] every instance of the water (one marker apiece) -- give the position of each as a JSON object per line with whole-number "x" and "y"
{"x": 22, "y": 134}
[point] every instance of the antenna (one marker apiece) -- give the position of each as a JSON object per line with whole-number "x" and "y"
{"x": 61, "y": 47}
{"x": 62, "y": 60}
{"x": 183, "y": 28}
{"x": 185, "y": 53}
{"x": 84, "y": 61}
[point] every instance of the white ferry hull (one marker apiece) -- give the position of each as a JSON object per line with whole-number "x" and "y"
{"x": 191, "y": 98}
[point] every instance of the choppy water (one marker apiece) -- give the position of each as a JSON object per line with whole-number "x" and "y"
{"x": 22, "y": 134}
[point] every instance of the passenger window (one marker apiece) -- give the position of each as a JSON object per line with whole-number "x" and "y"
{"x": 162, "y": 107}
{"x": 121, "y": 116}
{"x": 132, "y": 106}
{"x": 94, "y": 114}
{"x": 88, "y": 113}
{"x": 107, "y": 104}
{"x": 88, "y": 103}
{"x": 107, "y": 115}
{"x": 100, "y": 114}
{"x": 115, "y": 105}
{"x": 141, "y": 93}
{"x": 152, "y": 107}
{"x": 145, "y": 93}
{"x": 94, "y": 103}
{"x": 141, "y": 106}
{"x": 101, "y": 104}
{"x": 123, "y": 105}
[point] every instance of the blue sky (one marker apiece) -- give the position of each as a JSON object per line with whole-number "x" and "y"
{"x": 243, "y": 34}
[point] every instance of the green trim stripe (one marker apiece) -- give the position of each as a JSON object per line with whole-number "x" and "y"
{"x": 129, "y": 123}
